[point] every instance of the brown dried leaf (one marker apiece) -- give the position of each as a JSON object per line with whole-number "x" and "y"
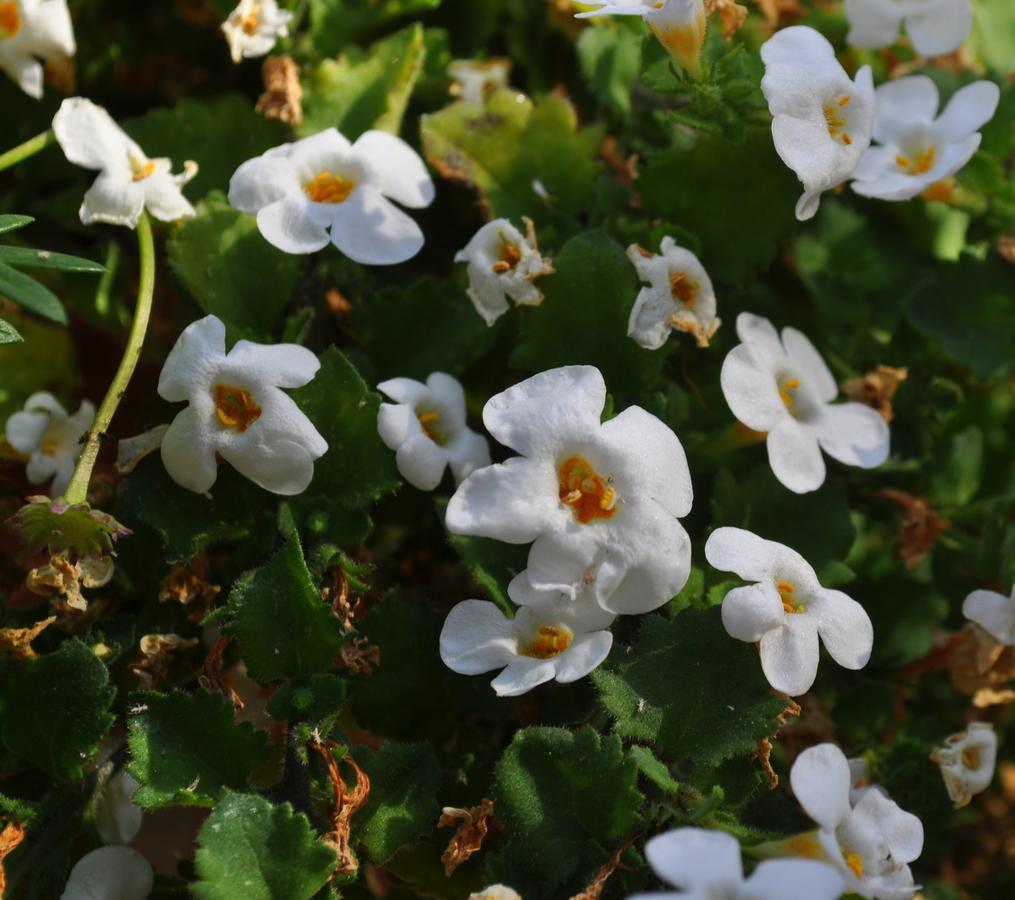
{"x": 876, "y": 389}
{"x": 780, "y": 13}
{"x": 921, "y": 526}
{"x": 594, "y": 890}
{"x": 18, "y": 641}
{"x": 981, "y": 667}
{"x": 731, "y": 14}
{"x": 359, "y": 657}
{"x": 12, "y": 835}
{"x": 188, "y": 586}
{"x": 347, "y": 802}
{"x": 474, "y": 824}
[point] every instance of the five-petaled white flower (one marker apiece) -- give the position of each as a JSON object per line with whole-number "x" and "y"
{"x": 599, "y": 500}
{"x": 784, "y": 388}
{"x": 31, "y": 30}
{"x": 787, "y": 610}
{"x": 935, "y": 27}
{"x": 679, "y": 24}
{"x": 129, "y": 182}
{"x": 475, "y": 80}
{"x": 426, "y": 427}
{"x": 323, "y": 189}
{"x": 678, "y": 295}
{"x": 551, "y": 637}
{"x": 254, "y": 26}
{"x": 993, "y": 612}
{"x": 870, "y": 842}
{"x": 238, "y": 411}
{"x": 706, "y": 864}
{"x": 110, "y": 872}
{"x": 967, "y": 761}
{"x": 821, "y": 121}
{"x": 117, "y": 817}
{"x": 50, "y": 438}
{"x": 914, "y": 149}
{"x": 503, "y": 263}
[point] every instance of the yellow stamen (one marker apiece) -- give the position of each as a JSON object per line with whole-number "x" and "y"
{"x": 235, "y": 407}
{"x": 428, "y": 421}
{"x": 836, "y": 122}
{"x": 971, "y": 758}
{"x": 10, "y": 20}
{"x": 510, "y": 256}
{"x": 786, "y": 592}
{"x": 550, "y": 641}
{"x": 249, "y": 23}
{"x": 920, "y": 165}
{"x": 50, "y": 445}
{"x": 855, "y": 863}
{"x": 141, "y": 170}
{"x": 790, "y": 384}
{"x": 327, "y": 187}
{"x": 683, "y": 289}
{"x": 588, "y": 494}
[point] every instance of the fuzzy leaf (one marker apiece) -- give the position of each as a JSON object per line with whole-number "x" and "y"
{"x": 311, "y": 698}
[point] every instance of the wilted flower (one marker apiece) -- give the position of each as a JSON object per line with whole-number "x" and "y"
{"x": 967, "y": 761}
{"x": 503, "y": 263}
{"x": 678, "y": 295}
{"x": 787, "y": 610}
{"x": 117, "y": 818}
{"x": 600, "y": 500}
{"x": 914, "y": 149}
{"x": 475, "y": 80}
{"x": 50, "y": 438}
{"x": 426, "y": 427}
{"x": 935, "y": 27}
{"x": 254, "y": 26}
{"x": 706, "y": 864}
{"x": 64, "y": 577}
{"x": 993, "y": 612}
{"x": 784, "y": 388}
{"x": 821, "y": 121}
{"x": 238, "y": 411}
{"x": 323, "y": 189}
{"x": 31, "y": 30}
{"x": 110, "y": 872}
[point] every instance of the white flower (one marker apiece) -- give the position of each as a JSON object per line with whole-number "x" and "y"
{"x": 503, "y": 263}
{"x": 31, "y": 30}
{"x": 496, "y": 892}
{"x": 935, "y": 27}
{"x": 426, "y": 427}
{"x": 914, "y": 149}
{"x": 679, "y": 295}
{"x": 787, "y": 610}
{"x": 237, "y": 411}
{"x": 475, "y": 80}
{"x": 254, "y": 26}
{"x": 860, "y": 781}
{"x": 129, "y": 182}
{"x": 679, "y": 24}
{"x": 784, "y": 388}
{"x": 323, "y": 189}
{"x": 706, "y": 865}
{"x": 110, "y": 873}
{"x": 871, "y": 842}
{"x": 821, "y": 121}
{"x": 50, "y": 438}
{"x": 551, "y": 637}
{"x": 993, "y": 612}
{"x": 117, "y": 818}
{"x": 600, "y": 501}
{"x": 967, "y": 762}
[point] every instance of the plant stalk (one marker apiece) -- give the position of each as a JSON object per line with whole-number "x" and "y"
{"x": 29, "y": 148}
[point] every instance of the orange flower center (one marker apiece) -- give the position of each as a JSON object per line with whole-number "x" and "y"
{"x": 550, "y": 641}
{"x": 837, "y": 122}
{"x": 786, "y": 594}
{"x": 429, "y": 421}
{"x": 918, "y": 165}
{"x": 235, "y": 407}
{"x": 971, "y": 758}
{"x": 589, "y": 495}
{"x": 249, "y": 23}
{"x": 510, "y": 256}
{"x": 855, "y": 863}
{"x": 683, "y": 289}
{"x": 141, "y": 169}
{"x": 787, "y": 387}
{"x": 50, "y": 445}
{"x": 327, "y": 187}
{"x": 10, "y": 20}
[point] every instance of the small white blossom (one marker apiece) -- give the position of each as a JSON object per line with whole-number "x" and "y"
{"x": 706, "y": 865}
{"x": 787, "y": 610}
{"x": 129, "y": 182}
{"x": 254, "y": 26}
{"x": 496, "y": 892}
{"x": 935, "y": 27}
{"x": 993, "y": 612}
{"x": 914, "y": 149}
{"x": 475, "y": 80}
{"x": 821, "y": 121}
{"x": 678, "y": 24}
{"x": 870, "y": 842}
{"x": 50, "y": 438}
{"x": 784, "y": 388}
{"x": 323, "y": 189}
{"x": 426, "y": 427}
{"x": 110, "y": 873}
{"x": 503, "y": 263}
{"x": 31, "y": 30}
{"x": 237, "y": 410}
{"x": 860, "y": 781}
{"x": 117, "y": 818}
{"x": 678, "y": 295}
{"x": 967, "y": 762}
{"x": 600, "y": 501}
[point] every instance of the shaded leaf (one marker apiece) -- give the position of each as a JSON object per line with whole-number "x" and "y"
{"x": 28, "y": 293}
{"x": 28, "y": 258}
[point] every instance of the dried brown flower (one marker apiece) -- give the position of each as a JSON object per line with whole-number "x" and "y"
{"x": 18, "y": 641}
{"x": 981, "y": 667}
{"x": 359, "y": 657}
{"x": 62, "y": 578}
{"x": 156, "y": 656}
{"x": 473, "y": 825}
{"x": 921, "y": 526}
{"x": 188, "y": 586}
{"x": 731, "y": 14}
{"x": 876, "y": 389}
{"x": 283, "y": 97}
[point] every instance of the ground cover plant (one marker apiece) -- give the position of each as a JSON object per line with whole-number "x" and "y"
{"x": 492, "y": 450}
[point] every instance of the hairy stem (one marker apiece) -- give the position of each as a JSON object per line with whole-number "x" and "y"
{"x": 77, "y": 490}
{"x": 29, "y": 148}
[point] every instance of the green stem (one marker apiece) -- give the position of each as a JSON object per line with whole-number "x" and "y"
{"x": 29, "y": 148}
{"x": 77, "y": 490}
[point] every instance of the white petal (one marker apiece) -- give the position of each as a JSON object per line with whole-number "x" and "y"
{"x": 993, "y": 612}
{"x": 164, "y": 199}
{"x": 854, "y": 434}
{"x": 24, "y": 430}
{"x": 450, "y": 394}
{"x": 293, "y": 224}
{"x": 26, "y": 72}
{"x": 89, "y": 137}
{"x": 421, "y": 462}
{"x": 795, "y": 456}
{"x": 750, "y": 388}
{"x": 110, "y": 873}
{"x": 41, "y": 467}
{"x": 902, "y": 102}
{"x": 809, "y": 365}
{"x": 742, "y": 552}
{"x": 794, "y": 879}
{"x": 396, "y": 423}
{"x": 319, "y": 148}
{"x": 750, "y": 612}
{"x": 113, "y": 200}
{"x": 280, "y": 365}
{"x": 970, "y": 108}
{"x": 523, "y": 674}
{"x": 263, "y": 180}
{"x": 404, "y": 390}
{"x": 844, "y": 628}
{"x": 400, "y": 172}
{"x": 883, "y": 823}
{"x": 188, "y": 451}
{"x": 117, "y": 819}
{"x": 752, "y": 329}
{"x": 872, "y": 23}
{"x": 564, "y": 559}
{"x": 695, "y": 859}
{"x": 789, "y": 656}
{"x": 274, "y": 462}
{"x": 50, "y": 24}
{"x": 470, "y": 451}
{"x": 584, "y": 655}
{"x": 940, "y": 28}
{"x": 195, "y": 358}
{"x": 371, "y": 230}
{"x": 477, "y": 638}
{"x": 820, "y": 782}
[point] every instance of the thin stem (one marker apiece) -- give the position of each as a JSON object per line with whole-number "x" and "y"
{"x": 29, "y": 148}
{"x": 77, "y": 490}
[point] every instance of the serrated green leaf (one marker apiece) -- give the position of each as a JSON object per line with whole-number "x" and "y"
{"x": 28, "y": 258}
{"x": 12, "y": 223}
{"x": 9, "y": 334}
{"x": 29, "y": 294}
{"x": 186, "y": 748}
{"x": 333, "y": 26}
{"x": 254, "y": 849}
{"x": 313, "y": 698}
{"x": 56, "y": 710}
{"x": 53, "y": 525}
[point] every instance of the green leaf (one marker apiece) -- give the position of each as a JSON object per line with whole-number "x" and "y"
{"x": 56, "y": 710}
{"x": 583, "y": 317}
{"x": 670, "y": 693}
{"x": 12, "y": 223}
{"x": 404, "y": 782}
{"x": 53, "y": 525}
{"x": 282, "y": 626}
{"x": 186, "y": 748}
{"x": 364, "y": 89}
{"x": 231, "y": 270}
{"x": 610, "y": 58}
{"x": 28, "y": 258}
{"x": 313, "y": 698}
{"x": 654, "y": 769}
{"x": 492, "y": 564}
{"x": 333, "y": 26}
{"x": 905, "y": 625}
{"x": 28, "y": 293}
{"x": 9, "y": 334}
{"x": 561, "y": 797}
{"x": 45, "y": 361}
{"x": 254, "y": 849}
{"x": 957, "y": 467}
